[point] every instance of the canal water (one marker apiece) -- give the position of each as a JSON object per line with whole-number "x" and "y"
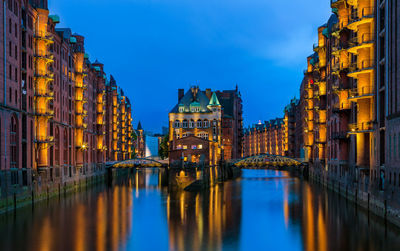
{"x": 263, "y": 210}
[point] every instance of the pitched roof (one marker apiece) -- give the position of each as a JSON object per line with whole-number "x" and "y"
{"x": 214, "y": 100}
{"x": 193, "y": 97}
{"x": 139, "y": 127}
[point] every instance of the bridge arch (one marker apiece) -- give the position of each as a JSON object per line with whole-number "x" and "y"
{"x": 138, "y": 162}
{"x": 267, "y": 160}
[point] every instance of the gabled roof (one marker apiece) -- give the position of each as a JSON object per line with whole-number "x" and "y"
{"x": 193, "y": 97}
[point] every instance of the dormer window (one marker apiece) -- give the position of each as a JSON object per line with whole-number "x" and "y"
{"x": 181, "y": 109}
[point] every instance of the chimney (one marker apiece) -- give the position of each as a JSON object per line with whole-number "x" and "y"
{"x": 208, "y": 93}
{"x": 181, "y": 93}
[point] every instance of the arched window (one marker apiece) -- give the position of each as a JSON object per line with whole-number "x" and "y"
{"x": 57, "y": 145}
{"x": 185, "y": 124}
{"x": 191, "y": 124}
{"x": 65, "y": 146}
{"x": 206, "y": 123}
{"x": 199, "y": 123}
{"x": 177, "y": 124}
{"x": 14, "y": 142}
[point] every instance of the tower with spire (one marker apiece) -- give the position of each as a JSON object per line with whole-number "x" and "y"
{"x": 140, "y": 141}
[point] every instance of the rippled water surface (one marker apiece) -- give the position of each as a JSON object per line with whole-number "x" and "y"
{"x": 264, "y": 210}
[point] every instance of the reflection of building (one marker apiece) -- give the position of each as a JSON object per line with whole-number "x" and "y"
{"x": 204, "y": 221}
{"x": 195, "y": 127}
{"x": 262, "y": 138}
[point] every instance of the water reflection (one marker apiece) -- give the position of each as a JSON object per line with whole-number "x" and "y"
{"x": 264, "y": 210}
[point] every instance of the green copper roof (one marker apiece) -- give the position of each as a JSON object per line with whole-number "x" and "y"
{"x": 97, "y": 68}
{"x": 335, "y": 10}
{"x": 72, "y": 40}
{"x": 55, "y": 18}
{"x": 214, "y": 100}
{"x": 312, "y": 61}
{"x": 195, "y": 103}
{"x": 86, "y": 56}
{"x": 325, "y": 32}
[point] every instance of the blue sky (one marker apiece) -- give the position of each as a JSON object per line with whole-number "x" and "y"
{"x": 154, "y": 47}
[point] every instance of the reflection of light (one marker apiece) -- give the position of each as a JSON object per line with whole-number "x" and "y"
{"x": 80, "y": 228}
{"x": 321, "y": 231}
{"x": 286, "y": 206}
{"x": 46, "y": 235}
{"x": 101, "y": 227}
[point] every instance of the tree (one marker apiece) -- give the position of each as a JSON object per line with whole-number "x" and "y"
{"x": 164, "y": 151}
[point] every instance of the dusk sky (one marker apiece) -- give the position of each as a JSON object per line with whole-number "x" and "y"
{"x": 154, "y": 47}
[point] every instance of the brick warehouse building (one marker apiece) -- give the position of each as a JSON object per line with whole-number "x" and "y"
{"x": 265, "y": 138}
{"x": 54, "y": 104}
{"x": 205, "y": 125}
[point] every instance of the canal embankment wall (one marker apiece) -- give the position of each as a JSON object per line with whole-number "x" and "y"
{"x": 376, "y": 202}
{"x": 42, "y": 188}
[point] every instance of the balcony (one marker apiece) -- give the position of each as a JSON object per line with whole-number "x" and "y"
{"x": 356, "y": 43}
{"x": 361, "y": 92}
{"x": 48, "y": 75}
{"x": 82, "y": 85}
{"x": 341, "y": 107}
{"x": 360, "y": 127}
{"x": 45, "y": 36}
{"x": 44, "y": 93}
{"x": 44, "y": 139}
{"x": 317, "y": 47}
{"x": 364, "y": 66}
{"x": 360, "y": 17}
{"x": 44, "y": 113}
{"x": 44, "y": 55}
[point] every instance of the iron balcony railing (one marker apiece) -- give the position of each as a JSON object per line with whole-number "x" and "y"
{"x": 44, "y": 139}
{"x": 44, "y": 112}
{"x": 361, "y": 91}
{"x": 44, "y": 35}
{"x": 360, "y": 66}
{"x": 43, "y": 54}
{"x": 360, "y": 127}
{"x": 358, "y": 15}
{"x": 44, "y": 74}
{"x": 44, "y": 93}
{"x": 364, "y": 39}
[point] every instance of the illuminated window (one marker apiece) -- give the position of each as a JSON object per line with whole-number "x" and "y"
{"x": 206, "y": 124}
{"x": 191, "y": 124}
{"x": 177, "y": 124}
{"x": 185, "y": 147}
{"x": 194, "y": 147}
{"x": 179, "y": 147}
{"x": 200, "y": 147}
{"x": 185, "y": 124}
{"x": 199, "y": 124}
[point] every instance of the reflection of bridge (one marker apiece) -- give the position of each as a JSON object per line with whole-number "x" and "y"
{"x": 137, "y": 162}
{"x": 268, "y": 160}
